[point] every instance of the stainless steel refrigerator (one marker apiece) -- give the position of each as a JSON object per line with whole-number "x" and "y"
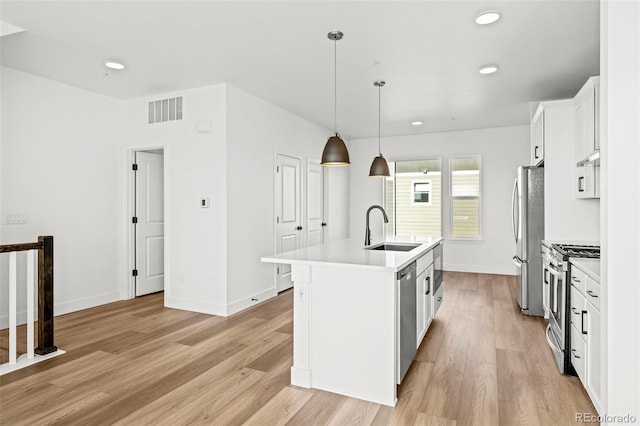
{"x": 527, "y": 220}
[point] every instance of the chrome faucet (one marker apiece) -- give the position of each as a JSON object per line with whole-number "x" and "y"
{"x": 367, "y": 231}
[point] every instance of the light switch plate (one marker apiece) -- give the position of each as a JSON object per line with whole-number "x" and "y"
{"x": 204, "y": 202}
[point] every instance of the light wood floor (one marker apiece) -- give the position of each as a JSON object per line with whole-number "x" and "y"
{"x": 135, "y": 363}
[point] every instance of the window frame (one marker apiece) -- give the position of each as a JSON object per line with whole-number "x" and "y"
{"x": 451, "y": 236}
{"x": 413, "y": 194}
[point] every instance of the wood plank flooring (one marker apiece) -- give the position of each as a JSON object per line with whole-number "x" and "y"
{"x": 137, "y": 363}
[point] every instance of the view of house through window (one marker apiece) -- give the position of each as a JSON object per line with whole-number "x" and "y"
{"x": 413, "y": 195}
{"x": 465, "y": 197}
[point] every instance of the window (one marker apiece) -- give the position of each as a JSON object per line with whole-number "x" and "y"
{"x": 465, "y": 198}
{"x": 421, "y": 192}
{"x": 413, "y": 198}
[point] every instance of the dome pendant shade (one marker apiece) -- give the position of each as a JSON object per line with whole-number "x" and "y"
{"x": 379, "y": 167}
{"x": 335, "y": 152}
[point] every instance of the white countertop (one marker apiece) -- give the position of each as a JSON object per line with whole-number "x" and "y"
{"x": 352, "y": 253}
{"x": 590, "y": 266}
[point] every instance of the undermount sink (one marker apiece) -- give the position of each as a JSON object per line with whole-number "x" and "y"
{"x": 393, "y": 247}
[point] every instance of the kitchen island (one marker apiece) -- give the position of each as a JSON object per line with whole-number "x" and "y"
{"x": 348, "y": 313}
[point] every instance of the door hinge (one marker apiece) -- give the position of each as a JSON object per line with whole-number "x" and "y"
{"x": 134, "y": 167}
{"x": 134, "y": 219}
{"x": 277, "y": 219}
{"x": 277, "y": 169}
{"x": 277, "y": 270}
{"x": 134, "y": 273}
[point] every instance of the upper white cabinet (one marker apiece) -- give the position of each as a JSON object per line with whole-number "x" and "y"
{"x": 587, "y": 101}
{"x": 537, "y": 137}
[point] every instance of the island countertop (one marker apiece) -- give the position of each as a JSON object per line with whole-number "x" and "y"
{"x": 352, "y": 253}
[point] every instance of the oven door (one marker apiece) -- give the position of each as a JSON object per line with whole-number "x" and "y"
{"x": 557, "y": 302}
{"x": 546, "y": 286}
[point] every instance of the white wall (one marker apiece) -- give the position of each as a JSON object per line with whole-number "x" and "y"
{"x": 337, "y": 201}
{"x": 195, "y": 166}
{"x": 61, "y": 166}
{"x": 502, "y": 150}
{"x": 620, "y": 137}
{"x": 257, "y": 130}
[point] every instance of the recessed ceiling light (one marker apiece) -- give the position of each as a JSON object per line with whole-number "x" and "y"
{"x": 488, "y": 17}
{"x": 416, "y": 123}
{"x": 114, "y": 65}
{"x": 488, "y": 69}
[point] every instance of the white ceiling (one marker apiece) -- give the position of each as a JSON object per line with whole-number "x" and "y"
{"x": 428, "y": 52}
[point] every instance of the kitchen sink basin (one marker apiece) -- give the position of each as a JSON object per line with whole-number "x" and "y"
{"x": 393, "y": 247}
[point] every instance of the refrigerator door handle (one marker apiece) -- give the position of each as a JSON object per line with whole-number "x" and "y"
{"x": 517, "y": 261}
{"x": 514, "y": 196}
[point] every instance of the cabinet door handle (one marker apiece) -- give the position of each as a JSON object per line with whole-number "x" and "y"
{"x": 574, "y": 311}
{"x": 590, "y": 293}
{"x": 428, "y": 285}
{"x": 546, "y": 275}
{"x": 535, "y": 152}
{"x": 574, "y": 353}
{"x": 580, "y": 184}
{"x": 298, "y": 228}
{"x": 323, "y": 224}
{"x": 574, "y": 279}
{"x": 582, "y": 322}
{"x": 439, "y": 299}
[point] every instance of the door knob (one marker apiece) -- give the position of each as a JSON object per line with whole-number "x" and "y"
{"x": 298, "y": 228}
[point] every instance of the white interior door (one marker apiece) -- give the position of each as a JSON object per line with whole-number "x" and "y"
{"x": 149, "y": 229}
{"x": 315, "y": 204}
{"x": 288, "y": 196}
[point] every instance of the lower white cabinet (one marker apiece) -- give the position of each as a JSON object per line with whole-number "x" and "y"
{"x": 594, "y": 359}
{"x": 586, "y": 340}
{"x": 578, "y": 332}
{"x": 424, "y": 303}
{"x": 579, "y": 353}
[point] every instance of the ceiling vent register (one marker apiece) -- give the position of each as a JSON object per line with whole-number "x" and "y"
{"x": 165, "y": 110}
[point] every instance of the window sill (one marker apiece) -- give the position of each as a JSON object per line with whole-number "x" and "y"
{"x": 465, "y": 240}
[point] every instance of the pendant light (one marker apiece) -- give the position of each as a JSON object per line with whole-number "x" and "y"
{"x": 335, "y": 151}
{"x": 379, "y": 167}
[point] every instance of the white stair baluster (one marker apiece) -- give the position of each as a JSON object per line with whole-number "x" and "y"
{"x": 31, "y": 284}
{"x": 12, "y": 307}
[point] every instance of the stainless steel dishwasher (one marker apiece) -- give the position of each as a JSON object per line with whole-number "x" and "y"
{"x": 406, "y": 281}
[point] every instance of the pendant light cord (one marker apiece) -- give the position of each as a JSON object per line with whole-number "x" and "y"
{"x": 379, "y": 149}
{"x": 335, "y": 86}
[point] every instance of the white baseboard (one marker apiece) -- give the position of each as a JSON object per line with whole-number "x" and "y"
{"x": 301, "y": 377}
{"x": 482, "y": 269}
{"x": 85, "y": 303}
{"x": 194, "y": 305}
{"x": 249, "y": 301}
{"x": 66, "y": 307}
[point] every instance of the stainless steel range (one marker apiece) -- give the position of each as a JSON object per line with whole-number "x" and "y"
{"x": 559, "y": 269}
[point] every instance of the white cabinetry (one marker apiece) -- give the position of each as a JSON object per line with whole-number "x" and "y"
{"x": 424, "y": 296}
{"x": 585, "y": 332}
{"x": 587, "y": 103}
{"x": 537, "y": 137}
